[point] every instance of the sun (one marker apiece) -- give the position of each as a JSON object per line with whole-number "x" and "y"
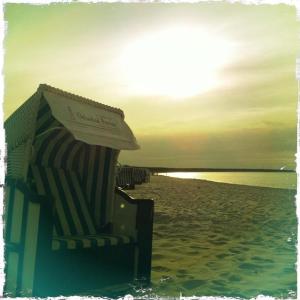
{"x": 177, "y": 62}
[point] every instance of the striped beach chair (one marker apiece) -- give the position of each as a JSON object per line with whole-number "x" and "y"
{"x": 64, "y": 216}
{"x": 128, "y": 176}
{"x": 125, "y": 178}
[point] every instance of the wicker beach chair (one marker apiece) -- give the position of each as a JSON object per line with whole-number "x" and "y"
{"x": 125, "y": 179}
{"x": 68, "y": 229}
{"x": 128, "y": 177}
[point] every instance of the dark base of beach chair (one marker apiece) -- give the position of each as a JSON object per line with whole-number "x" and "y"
{"x": 72, "y": 272}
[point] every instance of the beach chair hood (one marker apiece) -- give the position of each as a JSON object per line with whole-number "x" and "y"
{"x": 91, "y": 122}
{"x": 88, "y": 121}
{"x": 51, "y": 109}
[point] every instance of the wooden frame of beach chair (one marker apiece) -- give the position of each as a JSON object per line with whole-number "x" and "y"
{"x": 64, "y": 218}
{"x": 25, "y": 247}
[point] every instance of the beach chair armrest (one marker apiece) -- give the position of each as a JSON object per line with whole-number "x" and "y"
{"x": 124, "y": 216}
{"x": 131, "y": 215}
{"x": 136, "y": 216}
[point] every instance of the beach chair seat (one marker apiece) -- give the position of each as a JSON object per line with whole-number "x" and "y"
{"x": 92, "y": 241}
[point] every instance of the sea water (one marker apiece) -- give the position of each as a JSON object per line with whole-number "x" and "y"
{"x": 285, "y": 180}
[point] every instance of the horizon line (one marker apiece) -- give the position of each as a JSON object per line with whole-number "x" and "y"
{"x": 182, "y": 169}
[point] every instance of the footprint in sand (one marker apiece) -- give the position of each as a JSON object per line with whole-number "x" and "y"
{"x": 289, "y": 270}
{"x": 219, "y": 282}
{"x": 161, "y": 217}
{"x": 181, "y": 275}
{"x": 222, "y": 255}
{"x": 193, "y": 253}
{"x": 166, "y": 245}
{"x": 182, "y": 271}
{"x": 221, "y": 288}
{"x": 165, "y": 279}
{"x": 157, "y": 256}
{"x": 158, "y": 234}
{"x": 234, "y": 278}
{"x": 160, "y": 269}
{"x": 211, "y": 264}
{"x": 218, "y": 242}
{"x": 241, "y": 258}
{"x": 234, "y": 250}
{"x": 250, "y": 267}
{"x": 199, "y": 247}
{"x": 263, "y": 260}
{"x": 192, "y": 284}
{"x": 163, "y": 227}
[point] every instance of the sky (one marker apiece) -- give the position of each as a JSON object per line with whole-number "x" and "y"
{"x": 202, "y": 85}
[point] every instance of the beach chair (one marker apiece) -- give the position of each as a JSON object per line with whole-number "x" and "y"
{"x": 139, "y": 175}
{"x": 128, "y": 177}
{"x": 68, "y": 229}
{"x": 125, "y": 179}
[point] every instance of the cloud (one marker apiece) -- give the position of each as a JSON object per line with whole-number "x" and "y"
{"x": 250, "y": 148}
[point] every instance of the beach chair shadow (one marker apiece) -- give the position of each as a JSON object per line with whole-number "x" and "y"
{"x": 68, "y": 229}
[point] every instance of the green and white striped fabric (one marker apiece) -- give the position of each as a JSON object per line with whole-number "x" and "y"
{"x": 92, "y": 241}
{"x": 98, "y": 180}
{"x": 73, "y": 223}
{"x": 22, "y": 218}
{"x": 72, "y": 214}
{"x": 55, "y": 147}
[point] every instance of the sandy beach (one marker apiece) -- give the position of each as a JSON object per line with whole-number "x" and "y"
{"x": 221, "y": 239}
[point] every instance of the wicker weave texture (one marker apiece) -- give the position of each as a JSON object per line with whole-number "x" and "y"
{"x": 17, "y": 161}
{"x": 21, "y": 125}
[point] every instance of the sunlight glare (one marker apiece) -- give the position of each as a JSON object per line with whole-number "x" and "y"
{"x": 178, "y": 62}
{"x": 183, "y": 175}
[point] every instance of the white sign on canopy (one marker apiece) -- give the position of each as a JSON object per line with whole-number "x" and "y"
{"x": 91, "y": 123}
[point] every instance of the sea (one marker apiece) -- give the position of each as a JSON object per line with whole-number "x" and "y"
{"x": 283, "y": 180}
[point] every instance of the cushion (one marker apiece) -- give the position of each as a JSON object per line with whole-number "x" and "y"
{"x": 91, "y": 241}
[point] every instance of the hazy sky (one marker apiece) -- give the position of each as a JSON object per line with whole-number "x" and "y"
{"x": 201, "y": 85}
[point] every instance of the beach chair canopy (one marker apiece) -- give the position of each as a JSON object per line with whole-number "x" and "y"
{"x": 53, "y": 128}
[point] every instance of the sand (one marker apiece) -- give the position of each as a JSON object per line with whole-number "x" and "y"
{"x": 217, "y": 239}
